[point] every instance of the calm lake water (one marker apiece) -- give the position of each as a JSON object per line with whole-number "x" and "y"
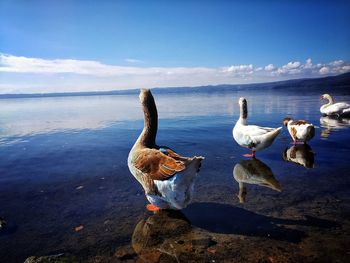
{"x": 63, "y": 164}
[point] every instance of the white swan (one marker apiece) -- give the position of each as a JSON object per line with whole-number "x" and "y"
{"x": 253, "y": 137}
{"x": 334, "y": 109}
{"x": 299, "y": 130}
{"x": 167, "y": 178}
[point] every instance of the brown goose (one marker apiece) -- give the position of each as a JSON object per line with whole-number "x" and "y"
{"x": 166, "y": 177}
{"x": 299, "y": 130}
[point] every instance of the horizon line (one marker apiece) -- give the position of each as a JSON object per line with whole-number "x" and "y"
{"x": 127, "y": 91}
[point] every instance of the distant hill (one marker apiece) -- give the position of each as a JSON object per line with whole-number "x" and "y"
{"x": 70, "y": 94}
{"x": 339, "y": 84}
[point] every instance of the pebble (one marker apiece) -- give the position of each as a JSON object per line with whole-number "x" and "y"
{"x": 2, "y": 223}
{"x": 78, "y": 228}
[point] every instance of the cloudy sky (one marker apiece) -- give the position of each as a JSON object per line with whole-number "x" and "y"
{"x": 58, "y": 46}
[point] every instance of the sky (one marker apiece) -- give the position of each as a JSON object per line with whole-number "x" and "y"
{"x": 67, "y": 46}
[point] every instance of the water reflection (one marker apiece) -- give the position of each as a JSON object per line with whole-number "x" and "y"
{"x": 301, "y": 154}
{"x": 256, "y": 172}
{"x": 332, "y": 123}
{"x": 30, "y": 116}
{"x": 21, "y": 117}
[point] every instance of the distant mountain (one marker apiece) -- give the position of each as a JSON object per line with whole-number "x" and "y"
{"x": 70, "y": 94}
{"x": 339, "y": 84}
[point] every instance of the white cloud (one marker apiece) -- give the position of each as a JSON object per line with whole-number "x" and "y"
{"x": 292, "y": 65}
{"x": 308, "y": 63}
{"x": 239, "y": 69}
{"x": 324, "y": 70}
{"x": 337, "y": 63}
{"x": 9, "y": 63}
{"x": 25, "y": 74}
{"x": 269, "y": 67}
{"x": 345, "y": 69}
{"x": 132, "y": 60}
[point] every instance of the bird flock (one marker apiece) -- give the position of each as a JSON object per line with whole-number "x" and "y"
{"x": 168, "y": 178}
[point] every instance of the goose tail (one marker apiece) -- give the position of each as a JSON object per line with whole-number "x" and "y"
{"x": 183, "y": 185}
{"x": 275, "y": 132}
{"x": 310, "y": 132}
{"x": 346, "y": 112}
{"x": 271, "y": 136}
{"x": 187, "y": 176}
{"x": 194, "y": 163}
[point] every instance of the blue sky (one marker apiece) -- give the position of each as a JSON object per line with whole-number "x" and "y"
{"x": 50, "y": 46}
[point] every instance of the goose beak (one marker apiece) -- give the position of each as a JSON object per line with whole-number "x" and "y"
{"x": 321, "y": 98}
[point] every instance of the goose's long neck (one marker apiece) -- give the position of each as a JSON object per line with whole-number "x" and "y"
{"x": 242, "y": 192}
{"x": 330, "y": 100}
{"x": 243, "y": 113}
{"x": 149, "y": 132}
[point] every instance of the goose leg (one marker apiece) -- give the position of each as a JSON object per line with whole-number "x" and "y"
{"x": 297, "y": 143}
{"x": 152, "y": 208}
{"x": 250, "y": 155}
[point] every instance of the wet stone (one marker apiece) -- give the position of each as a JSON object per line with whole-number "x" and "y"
{"x": 181, "y": 242}
{"x": 125, "y": 254}
{"x": 58, "y": 258}
{"x": 204, "y": 242}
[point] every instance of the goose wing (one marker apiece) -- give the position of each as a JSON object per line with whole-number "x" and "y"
{"x": 300, "y": 122}
{"x": 157, "y": 165}
{"x": 254, "y": 130}
{"x": 337, "y": 107}
{"x": 250, "y": 135}
{"x": 342, "y": 105}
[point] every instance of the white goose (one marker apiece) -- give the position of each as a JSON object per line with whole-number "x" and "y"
{"x": 166, "y": 177}
{"x": 253, "y": 137}
{"x": 334, "y": 109}
{"x": 299, "y": 130}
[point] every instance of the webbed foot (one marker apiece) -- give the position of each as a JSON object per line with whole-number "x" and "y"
{"x": 152, "y": 208}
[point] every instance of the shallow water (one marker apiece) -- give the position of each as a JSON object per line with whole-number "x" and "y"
{"x": 63, "y": 165}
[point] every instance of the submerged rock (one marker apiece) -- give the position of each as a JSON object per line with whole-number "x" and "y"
{"x": 58, "y": 258}
{"x": 125, "y": 253}
{"x": 168, "y": 236}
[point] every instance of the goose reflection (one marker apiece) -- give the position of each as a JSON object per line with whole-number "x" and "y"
{"x": 256, "y": 172}
{"x": 331, "y": 123}
{"x": 300, "y": 154}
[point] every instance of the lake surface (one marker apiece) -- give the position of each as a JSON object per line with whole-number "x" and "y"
{"x": 63, "y": 165}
